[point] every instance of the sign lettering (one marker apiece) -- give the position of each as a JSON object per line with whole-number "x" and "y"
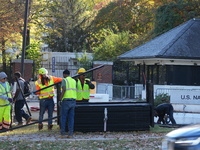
{"x": 185, "y": 96}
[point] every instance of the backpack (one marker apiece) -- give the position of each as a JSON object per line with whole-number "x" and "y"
{"x": 26, "y": 89}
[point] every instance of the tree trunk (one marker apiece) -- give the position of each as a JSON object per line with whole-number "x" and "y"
{"x": 3, "y": 43}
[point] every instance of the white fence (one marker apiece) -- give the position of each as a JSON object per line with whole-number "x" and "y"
{"x": 120, "y": 92}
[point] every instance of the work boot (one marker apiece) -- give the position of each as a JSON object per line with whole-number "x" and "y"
{"x": 20, "y": 124}
{"x": 70, "y": 136}
{"x": 50, "y": 127}
{"x": 28, "y": 120}
{"x": 63, "y": 136}
{"x": 40, "y": 126}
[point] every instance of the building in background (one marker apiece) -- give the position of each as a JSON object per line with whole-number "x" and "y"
{"x": 56, "y": 62}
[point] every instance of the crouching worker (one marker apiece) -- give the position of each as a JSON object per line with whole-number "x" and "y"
{"x": 68, "y": 103}
{"x": 162, "y": 110}
{"x": 5, "y": 102}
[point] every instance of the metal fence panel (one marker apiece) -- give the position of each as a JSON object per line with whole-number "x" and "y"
{"x": 126, "y": 92}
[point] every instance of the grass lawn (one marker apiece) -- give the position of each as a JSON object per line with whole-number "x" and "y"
{"x": 29, "y": 138}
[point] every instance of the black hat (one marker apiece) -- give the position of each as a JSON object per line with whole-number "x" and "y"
{"x": 66, "y": 72}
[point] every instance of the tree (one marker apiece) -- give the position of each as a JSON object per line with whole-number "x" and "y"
{"x": 134, "y": 16}
{"x": 84, "y": 60}
{"x": 10, "y": 23}
{"x": 68, "y": 26}
{"x": 110, "y": 44}
{"x": 34, "y": 53}
{"x": 174, "y": 13}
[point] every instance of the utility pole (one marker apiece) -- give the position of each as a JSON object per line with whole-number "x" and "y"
{"x": 24, "y": 36}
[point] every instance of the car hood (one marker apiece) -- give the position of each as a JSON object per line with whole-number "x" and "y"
{"x": 187, "y": 131}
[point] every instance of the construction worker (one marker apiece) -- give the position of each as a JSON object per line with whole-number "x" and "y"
{"x": 5, "y": 102}
{"x": 20, "y": 101}
{"x": 46, "y": 96}
{"x": 83, "y": 87}
{"x": 162, "y": 110}
{"x": 68, "y": 103}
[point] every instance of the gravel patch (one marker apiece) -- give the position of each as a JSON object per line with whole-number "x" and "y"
{"x": 81, "y": 136}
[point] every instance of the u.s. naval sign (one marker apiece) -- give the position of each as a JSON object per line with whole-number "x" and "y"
{"x": 185, "y": 96}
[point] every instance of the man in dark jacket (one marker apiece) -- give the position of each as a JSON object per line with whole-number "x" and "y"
{"x": 162, "y": 110}
{"x": 19, "y": 100}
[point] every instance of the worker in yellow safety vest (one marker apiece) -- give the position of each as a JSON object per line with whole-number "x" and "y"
{"x": 83, "y": 87}
{"x": 5, "y": 102}
{"x": 68, "y": 103}
{"x": 46, "y": 96}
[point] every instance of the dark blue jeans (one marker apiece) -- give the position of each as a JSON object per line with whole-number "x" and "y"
{"x": 67, "y": 115}
{"x": 19, "y": 112}
{"x": 46, "y": 104}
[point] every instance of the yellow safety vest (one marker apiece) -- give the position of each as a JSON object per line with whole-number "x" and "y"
{"x": 6, "y": 92}
{"x": 83, "y": 92}
{"x": 48, "y": 92}
{"x": 70, "y": 88}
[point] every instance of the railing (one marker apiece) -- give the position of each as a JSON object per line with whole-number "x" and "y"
{"x": 126, "y": 92}
{"x": 162, "y": 91}
{"x": 116, "y": 92}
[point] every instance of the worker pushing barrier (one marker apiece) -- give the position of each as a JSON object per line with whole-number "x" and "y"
{"x": 33, "y": 92}
{"x": 46, "y": 95}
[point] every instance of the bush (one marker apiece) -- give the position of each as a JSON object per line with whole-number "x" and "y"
{"x": 161, "y": 98}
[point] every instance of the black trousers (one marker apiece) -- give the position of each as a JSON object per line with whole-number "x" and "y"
{"x": 170, "y": 113}
{"x": 19, "y": 112}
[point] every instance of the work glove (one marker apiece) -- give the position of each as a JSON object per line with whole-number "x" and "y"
{"x": 10, "y": 100}
{"x": 87, "y": 81}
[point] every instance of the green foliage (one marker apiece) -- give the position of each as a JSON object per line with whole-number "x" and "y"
{"x": 115, "y": 26}
{"x": 114, "y": 13}
{"x": 167, "y": 17}
{"x": 134, "y": 16}
{"x": 96, "y": 3}
{"x": 108, "y": 45}
{"x": 34, "y": 53}
{"x": 158, "y": 129}
{"x": 174, "y": 13}
{"x": 84, "y": 61}
{"x": 161, "y": 98}
{"x": 68, "y": 25}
